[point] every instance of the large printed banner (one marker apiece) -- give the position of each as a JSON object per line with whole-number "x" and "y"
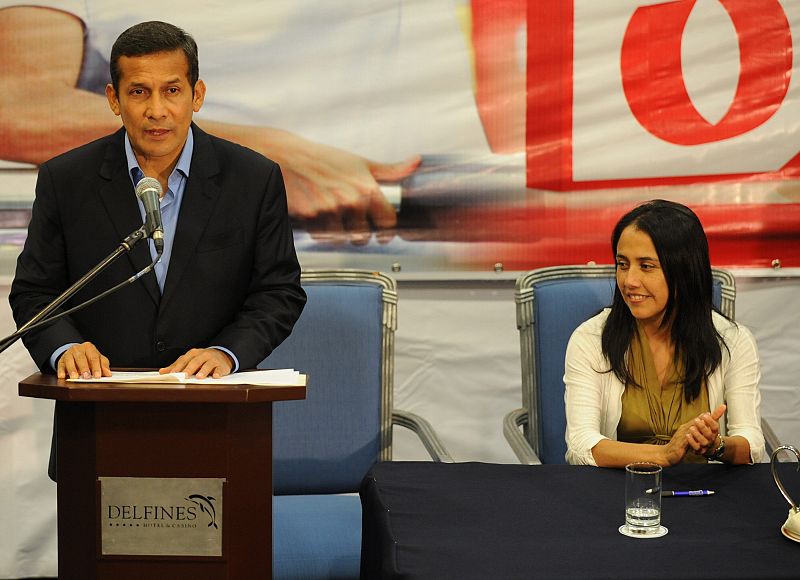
{"x": 662, "y": 93}
{"x": 443, "y": 136}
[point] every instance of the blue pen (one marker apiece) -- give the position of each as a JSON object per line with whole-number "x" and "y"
{"x": 686, "y": 493}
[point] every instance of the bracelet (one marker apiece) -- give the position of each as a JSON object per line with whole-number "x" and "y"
{"x": 717, "y": 454}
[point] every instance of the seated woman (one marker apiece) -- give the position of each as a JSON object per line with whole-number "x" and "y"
{"x": 661, "y": 376}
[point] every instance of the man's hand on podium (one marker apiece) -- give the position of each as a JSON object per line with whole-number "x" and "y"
{"x": 202, "y": 363}
{"x": 82, "y": 361}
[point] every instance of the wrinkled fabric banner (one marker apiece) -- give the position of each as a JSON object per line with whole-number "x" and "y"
{"x": 450, "y": 136}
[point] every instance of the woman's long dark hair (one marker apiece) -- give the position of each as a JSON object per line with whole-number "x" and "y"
{"x": 682, "y": 248}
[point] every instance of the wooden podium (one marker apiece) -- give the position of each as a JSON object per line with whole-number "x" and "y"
{"x": 163, "y": 432}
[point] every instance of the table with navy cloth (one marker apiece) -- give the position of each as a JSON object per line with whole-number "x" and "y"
{"x": 425, "y": 520}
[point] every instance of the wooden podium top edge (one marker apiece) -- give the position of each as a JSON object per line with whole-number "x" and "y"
{"x": 45, "y": 386}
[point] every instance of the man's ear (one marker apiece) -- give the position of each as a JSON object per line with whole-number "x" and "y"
{"x": 113, "y": 101}
{"x": 199, "y": 95}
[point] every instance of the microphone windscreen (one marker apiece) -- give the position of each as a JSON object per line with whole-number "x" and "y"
{"x": 148, "y": 183}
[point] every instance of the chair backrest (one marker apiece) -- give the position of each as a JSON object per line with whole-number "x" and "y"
{"x": 344, "y": 342}
{"x": 551, "y": 304}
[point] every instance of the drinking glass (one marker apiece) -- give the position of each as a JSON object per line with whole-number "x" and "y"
{"x": 643, "y": 501}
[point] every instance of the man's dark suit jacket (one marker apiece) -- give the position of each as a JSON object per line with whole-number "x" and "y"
{"x": 233, "y": 278}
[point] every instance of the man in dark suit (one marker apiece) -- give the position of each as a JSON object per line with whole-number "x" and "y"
{"x": 227, "y": 289}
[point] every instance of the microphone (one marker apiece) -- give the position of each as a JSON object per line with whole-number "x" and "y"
{"x": 149, "y": 191}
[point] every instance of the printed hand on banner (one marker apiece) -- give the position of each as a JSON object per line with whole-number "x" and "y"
{"x": 333, "y": 193}
{"x": 336, "y": 193}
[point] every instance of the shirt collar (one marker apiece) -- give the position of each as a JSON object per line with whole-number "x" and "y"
{"x": 183, "y": 165}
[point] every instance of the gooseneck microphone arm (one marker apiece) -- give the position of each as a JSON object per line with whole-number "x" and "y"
{"x": 44, "y": 317}
{"x": 83, "y": 305}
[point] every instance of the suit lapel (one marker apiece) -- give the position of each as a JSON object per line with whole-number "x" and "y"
{"x": 197, "y": 208}
{"x": 119, "y": 198}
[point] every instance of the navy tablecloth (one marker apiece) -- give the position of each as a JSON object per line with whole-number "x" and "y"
{"x": 471, "y": 520}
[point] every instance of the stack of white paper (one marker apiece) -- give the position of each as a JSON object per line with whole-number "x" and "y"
{"x": 260, "y": 378}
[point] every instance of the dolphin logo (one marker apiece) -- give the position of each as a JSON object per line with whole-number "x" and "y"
{"x": 206, "y": 505}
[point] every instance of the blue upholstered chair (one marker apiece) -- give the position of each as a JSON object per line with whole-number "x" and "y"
{"x": 551, "y": 304}
{"x": 324, "y": 445}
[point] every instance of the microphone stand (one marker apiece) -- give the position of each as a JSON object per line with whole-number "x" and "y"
{"x": 83, "y": 305}
{"x": 43, "y": 317}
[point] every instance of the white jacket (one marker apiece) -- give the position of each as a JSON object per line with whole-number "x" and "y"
{"x": 593, "y": 398}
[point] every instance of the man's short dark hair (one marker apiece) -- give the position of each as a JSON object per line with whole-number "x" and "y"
{"x": 151, "y": 38}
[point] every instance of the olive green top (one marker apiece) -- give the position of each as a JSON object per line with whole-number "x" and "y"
{"x": 652, "y": 412}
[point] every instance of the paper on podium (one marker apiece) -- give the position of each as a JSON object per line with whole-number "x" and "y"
{"x": 266, "y": 378}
